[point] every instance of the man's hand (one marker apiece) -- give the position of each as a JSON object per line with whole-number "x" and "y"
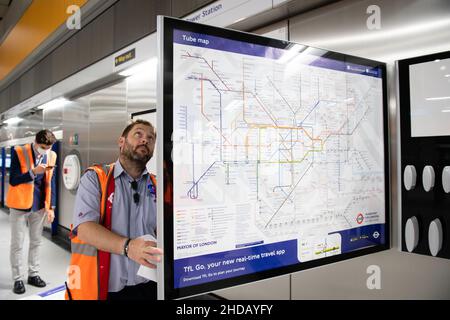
{"x": 50, "y": 215}
{"x": 144, "y": 252}
{"x": 40, "y": 169}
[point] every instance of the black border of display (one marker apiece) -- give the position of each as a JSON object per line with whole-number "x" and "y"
{"x": 422, "y": 151}
{"x": 169, "y": 24}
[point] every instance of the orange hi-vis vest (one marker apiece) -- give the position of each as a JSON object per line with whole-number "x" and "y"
{"x": 88, "y": 273}
{"x": 21, "y": 195}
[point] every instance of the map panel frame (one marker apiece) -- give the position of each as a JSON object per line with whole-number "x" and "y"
{"x": 166, "y": 287}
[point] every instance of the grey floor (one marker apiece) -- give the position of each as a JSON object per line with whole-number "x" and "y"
{"x": 54, "y": 261}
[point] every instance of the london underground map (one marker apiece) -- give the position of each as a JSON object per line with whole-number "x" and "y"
{"x": 278, "y": 157}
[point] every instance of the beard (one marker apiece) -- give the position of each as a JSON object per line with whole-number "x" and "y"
{"x": 132, "y": 154}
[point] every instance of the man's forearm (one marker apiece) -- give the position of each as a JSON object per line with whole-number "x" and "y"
{"x": 16, "y": 179}
{"x": 101, "y": 238}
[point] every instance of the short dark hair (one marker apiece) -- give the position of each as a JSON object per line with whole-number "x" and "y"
{"x": 136, "y": 122}
{"x": 45, "y": 137}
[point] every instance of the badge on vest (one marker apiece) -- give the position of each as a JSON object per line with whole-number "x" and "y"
{"x": 152, "y": 190}
{"x": 111, "y": 198}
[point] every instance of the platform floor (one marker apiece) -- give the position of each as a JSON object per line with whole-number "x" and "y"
{"x": 54, "y": 261}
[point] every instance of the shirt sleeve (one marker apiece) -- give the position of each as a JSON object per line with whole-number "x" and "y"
{"x": 87, "y": 201}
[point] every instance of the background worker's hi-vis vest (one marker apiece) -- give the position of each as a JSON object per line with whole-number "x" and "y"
{"x": 88, "y": 273}
{"x": 21, "y": 195}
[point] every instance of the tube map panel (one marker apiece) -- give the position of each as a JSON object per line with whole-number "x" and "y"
{"x": 278, "y": 157}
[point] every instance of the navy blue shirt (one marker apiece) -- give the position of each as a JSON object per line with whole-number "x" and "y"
{"x": 16, "y": 177}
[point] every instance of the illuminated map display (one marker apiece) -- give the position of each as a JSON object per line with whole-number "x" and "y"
{"x": 278, "y": 157}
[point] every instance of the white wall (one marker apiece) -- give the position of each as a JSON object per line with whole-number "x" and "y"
{"x": 408, "y": 28}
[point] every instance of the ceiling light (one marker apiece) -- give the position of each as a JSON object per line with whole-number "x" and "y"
{"x": 146, "y": 66}
{"x": 54, "y": 104}
{"x": 437, "y": 98}
{"x": 13, "y": 120}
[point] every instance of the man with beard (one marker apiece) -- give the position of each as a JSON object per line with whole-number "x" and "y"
{"x": 110, "y": 218}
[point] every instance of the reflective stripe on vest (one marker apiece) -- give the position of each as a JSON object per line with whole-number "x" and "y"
{"x": 84, "y": 249}
{"x": 25, "y": 153}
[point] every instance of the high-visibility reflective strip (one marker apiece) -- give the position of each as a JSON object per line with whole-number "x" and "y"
{"x": 50, "y": 158}
{"x": 28, "y": 153}
{"x": 26, "y": 156}
{"x": 23, "y": 151}
{"x": 84, "y": 249}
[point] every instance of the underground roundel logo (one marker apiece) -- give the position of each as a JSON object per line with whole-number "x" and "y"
{"x": 360, "y": 218}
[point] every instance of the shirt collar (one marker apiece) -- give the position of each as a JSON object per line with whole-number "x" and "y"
{"x": 35, "y": 153}
{"x": 33, "y": 147}
{"x": 118, "y": 170}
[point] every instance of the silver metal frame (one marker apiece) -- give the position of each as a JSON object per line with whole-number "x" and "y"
{"x": 160, "y": 153}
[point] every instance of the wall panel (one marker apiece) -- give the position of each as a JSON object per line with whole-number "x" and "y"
{"x": 144, "y": 12}
{"x": 5, "y": 100}
{"x": 75, "y": 120}
{"x": 107, "y": 119}
{"x": 43, "y": 74}
{"x": 65, "y": 59}
{"x": 14, "y": 93}
{"x": 408, "y": 28}
{"x": 101, "y": 40}
{"x": 27, "y": 84}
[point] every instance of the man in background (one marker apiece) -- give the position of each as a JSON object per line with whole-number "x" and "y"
{"x": 31, "y": 198}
